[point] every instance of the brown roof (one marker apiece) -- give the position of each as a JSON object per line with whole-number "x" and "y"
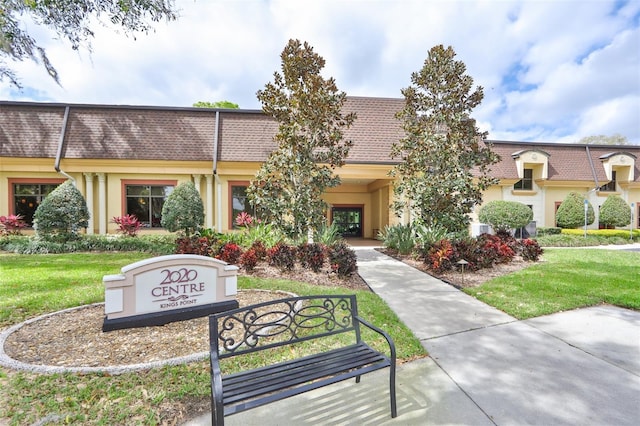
{"x": 33, "y": 130}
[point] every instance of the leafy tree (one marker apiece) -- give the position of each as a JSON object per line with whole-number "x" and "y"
{"x": 62, "y": 214}
{"x": 219, "y": 104}
{"x": 72, "y": 20}
{"x": 615, "y": 212}
{"x": 183, "y": 210}
{"x": 442, "y": 145}
{"x": 505, "y": 215}
{"x": 308, "y": 109}
{"x": 570, "y": 214}
{"x": 616, "y": 139}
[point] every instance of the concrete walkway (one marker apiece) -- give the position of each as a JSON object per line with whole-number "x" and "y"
{"x": 485, "y": 367}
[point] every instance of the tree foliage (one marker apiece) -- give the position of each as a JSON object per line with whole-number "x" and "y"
{"x": 62, "y": 214}
{"x": 442, "y": 145}
{"x": 616, "y": 139}
{"x": 570, "y": 214}
{"x": 71, "y": 20}
{"x": 219, "y": 104}
{"x": 505, "y": 215}
{"x": 183, "y": 210}
{"x": 615, "y": 212}
{"x": 308, "y": 109}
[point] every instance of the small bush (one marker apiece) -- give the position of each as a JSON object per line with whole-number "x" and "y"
{"x": 249, "y": 260}
{"x": 282, "y": 256}
{"x": 259, "y": 249}
{"x": 399, "y": 238}
{"x": 194, "y": 245}
{"x": 505, "y": 215}
{"x": 230, "y": 253}
{"x": 570, "y": 214}
{"x": 548, "y": 231}
{"x": 439, "y": 257}
{"x": 12, "y": 224}
{"x": 615, "y": 212}
{"x": 62, "y": 214}
{"x": 328, "y": 235}
{"x": 495, "y": 249}
{"x": 311, "y": 256}
{"x": 530, "y": 250}
{"x": 343, "y": 259}
{"x": 128, "y": 224}
{"x": 183, "y": 210}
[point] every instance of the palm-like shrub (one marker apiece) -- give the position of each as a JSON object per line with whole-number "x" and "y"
{"x": 62, "y": 214}
{"x": 183, "y": 210}
{"x": 615, "y": 212}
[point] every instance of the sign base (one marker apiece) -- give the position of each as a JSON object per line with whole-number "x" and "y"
{"x": 162, "y": 318}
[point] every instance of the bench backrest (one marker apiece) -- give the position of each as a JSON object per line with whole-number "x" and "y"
{"x": 282, "y": 322}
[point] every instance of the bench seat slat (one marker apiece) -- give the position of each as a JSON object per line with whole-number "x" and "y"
{"x": 290, "y": 374}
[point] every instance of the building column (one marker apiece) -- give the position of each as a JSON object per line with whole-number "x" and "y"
{"x": 102, "y": 204}
{"x": 88, "y": 178}
{"x": 196, "y": 182}
{"x": 209, "y": 207}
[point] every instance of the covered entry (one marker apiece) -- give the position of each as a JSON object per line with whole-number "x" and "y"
{"x": 348, "y": 220}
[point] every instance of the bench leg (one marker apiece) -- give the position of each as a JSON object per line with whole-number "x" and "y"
{"x": 392, "y": 390}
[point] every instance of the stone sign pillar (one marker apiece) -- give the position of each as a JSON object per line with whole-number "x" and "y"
{"x": 169, "y": 288}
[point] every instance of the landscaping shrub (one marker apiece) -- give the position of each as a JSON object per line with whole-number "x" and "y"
{"x": 62, "y": 214}
{"x": 440, "y": 255}
{"x": 12, "y": 224}
{"x": 548, "y": 231}
{"x": 282, "y": 256}
{"x": 505, "y": 215}
{"x": 230, "y": 253}
{"x": 183, "y": 210}
{"x": 249, "y": 260}
{"x": 194, "y": 245}
{"x": 128, "y": 224}
{"x": 530, "y": 250}
{"x": 328, "y": 235}
{"x": 615, "y": 212}
{"x": 342, "y": 259}
{"x": 427, "y": 236}
{"x": 496, "y": 249}
{"x": 399, "y": 238}
{"x": 259, "y": 249}
{"x": 311, "y": 256}
{"x": 570, "y": 214}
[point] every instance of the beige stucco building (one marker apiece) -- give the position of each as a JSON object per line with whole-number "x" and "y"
{"x": 127, "y": 159}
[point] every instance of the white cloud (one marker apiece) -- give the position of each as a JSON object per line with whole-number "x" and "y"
{"x": 551, "y": 70}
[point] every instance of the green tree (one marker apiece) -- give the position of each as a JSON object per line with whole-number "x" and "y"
{"x": 219, "y": 104}
{"x": 62, "y": 214}
{"x": 288, "y": 187}
{"x": 183, "y": 210}
{"x": 615, "y": 212}
{"x": 442, "y": 145}
{"x": 72, "y": 20}
{"x": 570, "y": 214}
{"x": 616, "y": 139}
{"x": 505, "y": 215}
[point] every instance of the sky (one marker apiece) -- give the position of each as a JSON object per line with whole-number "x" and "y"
{"x": 552, "y": 71}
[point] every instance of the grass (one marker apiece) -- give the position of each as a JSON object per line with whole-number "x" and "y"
{"x": 31, "y": 285}
{"x": 566, "y": 279}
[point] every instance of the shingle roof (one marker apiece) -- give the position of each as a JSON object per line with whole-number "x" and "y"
{"x": 32, "y": 130}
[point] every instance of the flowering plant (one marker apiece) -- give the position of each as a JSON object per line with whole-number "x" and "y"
{"x": 12, "y": 224}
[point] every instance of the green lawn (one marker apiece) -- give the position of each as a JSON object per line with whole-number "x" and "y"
{"x": 566, "y": 279}
{"x": 31, "y": 285}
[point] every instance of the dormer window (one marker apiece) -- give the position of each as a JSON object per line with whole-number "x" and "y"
{"x": 611, "y": 186}
{"x": 526, "y": 183}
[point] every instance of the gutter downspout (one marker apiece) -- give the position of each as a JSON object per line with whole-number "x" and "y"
{"x": 593, "y": 169}
{"x": 218, "y": 210}
{"x": 63, "y": 132}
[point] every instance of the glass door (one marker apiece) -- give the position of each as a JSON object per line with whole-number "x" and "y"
{"x": 348, "y": 220}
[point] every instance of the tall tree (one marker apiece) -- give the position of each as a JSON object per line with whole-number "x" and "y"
{"x": 72, "y": 20}
{"x": 288, "y": 187}
{"x": 442, "y": 145}
{"x": 219, "y": 104}
{"x": 616, "y": 139}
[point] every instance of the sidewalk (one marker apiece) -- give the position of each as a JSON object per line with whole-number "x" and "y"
{"x": 485, "y": 367}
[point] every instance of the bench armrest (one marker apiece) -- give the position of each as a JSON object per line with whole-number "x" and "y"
{"x": 392, "y": 346}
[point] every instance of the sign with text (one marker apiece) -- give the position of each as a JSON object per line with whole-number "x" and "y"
{"x": 168, "y": 288}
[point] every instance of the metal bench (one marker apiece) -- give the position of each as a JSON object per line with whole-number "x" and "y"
{"x": 291, "y": 321}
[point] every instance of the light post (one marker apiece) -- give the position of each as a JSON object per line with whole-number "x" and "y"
{"x": 631, "y": 223}
{"x": 586, "y": 208}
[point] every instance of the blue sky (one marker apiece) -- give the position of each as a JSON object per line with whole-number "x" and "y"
{"x": 552, "y": 71}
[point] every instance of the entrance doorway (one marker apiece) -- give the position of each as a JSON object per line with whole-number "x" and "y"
{"x": 348, "y": 220}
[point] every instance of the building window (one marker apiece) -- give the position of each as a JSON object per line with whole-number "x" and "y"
{"x": 239, "y": 201}
{"x": 28, "y": 196}
{"x": 146, "y": 202}
{"x": 526, "y": 182}
{"x": 611, "y": 186}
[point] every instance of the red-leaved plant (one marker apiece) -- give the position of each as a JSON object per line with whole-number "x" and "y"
{"x": 12, "y": 224}
{"x": 128, "y": 224}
